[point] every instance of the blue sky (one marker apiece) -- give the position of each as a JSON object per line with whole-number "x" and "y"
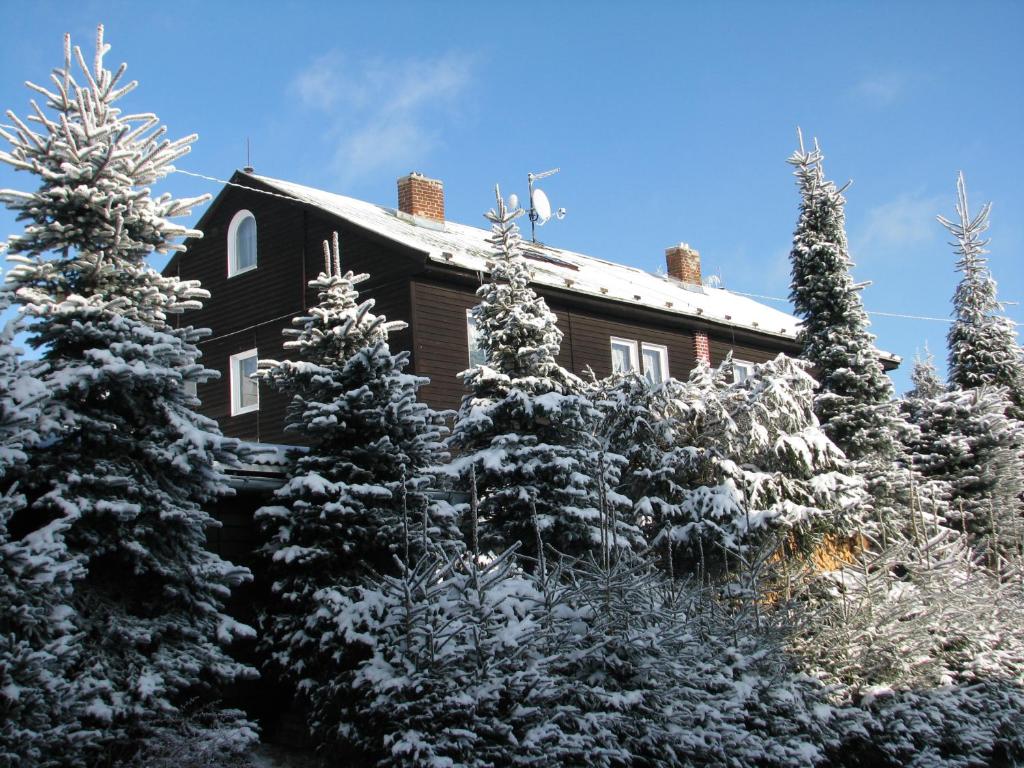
{"x": 671, "y": 122}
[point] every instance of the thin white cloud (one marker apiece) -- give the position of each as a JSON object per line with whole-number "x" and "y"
{"x": 882, "y": 89}
{"x": 383, "y": 115}
{"x": 905, "y": 221}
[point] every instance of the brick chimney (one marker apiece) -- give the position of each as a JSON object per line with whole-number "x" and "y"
{"x": 420, "y": 196}
{"x": 683, "y": 263}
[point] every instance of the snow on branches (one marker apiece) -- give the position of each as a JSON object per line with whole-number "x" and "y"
{"x": 525, "y": 430}
{"x": 854, "y": 402}
{"x": 357, "y": 499}
{"x": 983, "y": 348}
{"x": 128, "y": 464}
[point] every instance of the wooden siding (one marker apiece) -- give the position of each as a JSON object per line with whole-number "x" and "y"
{"x": 442, "y": 346}
{"x": 251, "y": 310}
{"x": 591, "y": 336}
{"x": 440, "y": 342}
{"x": 720, "y": 347}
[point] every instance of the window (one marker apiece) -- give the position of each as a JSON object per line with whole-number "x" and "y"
{"x": 241, "y": 243}
{"x": 245, "y": 392}
{"x": 655, "y": 359}
{"x": 742, "y": 370}
{"x": 477, "y": 356}
{"x": 623, "y": 355}
{"x": 191, "y": 388}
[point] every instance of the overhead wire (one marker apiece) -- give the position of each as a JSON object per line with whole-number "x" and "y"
{"x": 870, "y": 312}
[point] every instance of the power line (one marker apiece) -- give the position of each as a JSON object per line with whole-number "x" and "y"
{"x": 880, "y": 314}
{"x": 233, "y": 184}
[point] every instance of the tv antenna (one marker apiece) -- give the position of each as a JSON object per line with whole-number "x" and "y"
{"x": 248, "y": 157}
{"x": 540, "y": 207}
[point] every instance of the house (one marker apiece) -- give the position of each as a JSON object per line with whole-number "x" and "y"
{"x": 263, "y": 242}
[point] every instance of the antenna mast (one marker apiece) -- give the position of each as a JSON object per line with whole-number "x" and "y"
{"x": 534, "y": 214}
{"x": 248, "y": 157}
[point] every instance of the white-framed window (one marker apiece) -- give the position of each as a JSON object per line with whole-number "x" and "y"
{"x": 477, "y": 355}
{"x": 624, "y": 356}
{"x": 742, "y": 370}
{"x": 191, "y": 388}
{"x": 245, "y": 392}
{"x": 655, "y": 360}
{"x": 241, "y": 243}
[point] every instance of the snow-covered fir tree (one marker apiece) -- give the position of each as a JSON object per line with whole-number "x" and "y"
{"x": 479, "y": 663}
{"x": 680, "y": 678}
{"x": 635, "y": 424}
{"x": 964, "y": 441}
{"x": 730, "y": 472}
{"x": 925, "y": 378}
{"x": 983, "y": 346}
{"x": 129, "y": 464}
{"x": 526, "y": 429}
{"x": 39, "y": 711}
{"x": 453, "y": 672}
{"x": 348, "y": 503}
{"x": 854, "y": 403}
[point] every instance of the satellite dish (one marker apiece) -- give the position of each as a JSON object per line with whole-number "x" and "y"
{"x": 513, "y": 201}
{"x": 542, "y": 206}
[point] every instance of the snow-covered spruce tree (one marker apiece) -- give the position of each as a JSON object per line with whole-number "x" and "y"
{"x": 745, "y": 470}
{"x": 454, "y": 668}
{"x": 854, "y": 402}
{"x": 925, "y": 378}
{"x": 451, "y": 674}
{"x": 678, "y": 679}
{"x": 983, "y": 347}
{"x": 965, "y": 445}
{"x": 129, "y": 464}
{"x": 39, "y": 714}
{"x": 526, "y": 429}
{"x": 346, "y": 508}
{"x": 634, "y": 424}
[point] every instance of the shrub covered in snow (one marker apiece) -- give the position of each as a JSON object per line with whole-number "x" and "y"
{"x": 727, "y": 473}
{"x": 963, "y": 440}
{"x": 925, "y": 640}
{"x": 196, "y": 736}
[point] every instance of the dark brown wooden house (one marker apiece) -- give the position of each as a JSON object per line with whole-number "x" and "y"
{"x": 263, "y": 242}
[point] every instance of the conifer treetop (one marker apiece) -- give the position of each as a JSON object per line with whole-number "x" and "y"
{"x": 517, "y": 331}
{"x": 925, "y": 378}
{"x": 824, "y": 294}
{"x": 338, "y": 323}
{"x": 854, "y": 403}
{"x": 94, "y": 164}
{"x": 983, "y": 348}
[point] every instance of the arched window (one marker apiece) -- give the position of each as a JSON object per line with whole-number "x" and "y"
{"x": 241, "y": 243}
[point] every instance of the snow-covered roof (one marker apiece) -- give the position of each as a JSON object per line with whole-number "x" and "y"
{"x": 464, "y": 246}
